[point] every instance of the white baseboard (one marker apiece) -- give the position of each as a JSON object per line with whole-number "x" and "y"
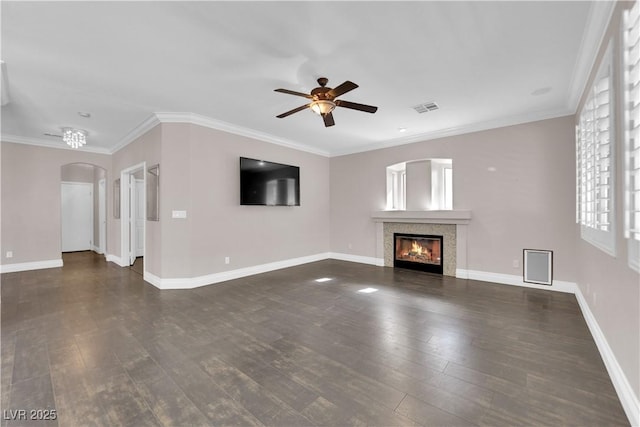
{"x": 194, "y": 282}
{"x": 26, "y": 266}
{"x": 209, "y": 279}
{"x": 510, "y": 279}
{"x": 462, "y": 274}
{"x": 627, "y": 397}
{"x": 116, "y": 259}
{"x": 153, "y": 279}
{"x": 357, "y": 258}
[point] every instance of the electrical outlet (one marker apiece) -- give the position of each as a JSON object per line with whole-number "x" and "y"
{"x": 227, "y": 260}
{"x": 9, "y": 254}
{"x": 516, "y": 263}
{"x": 350, "y": 246}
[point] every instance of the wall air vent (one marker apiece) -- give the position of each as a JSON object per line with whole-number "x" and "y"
{"x": 538, "y": 266}
{"x": 425, "y": 107}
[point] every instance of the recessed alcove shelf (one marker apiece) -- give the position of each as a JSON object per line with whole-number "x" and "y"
{"x": 452, "y": 224}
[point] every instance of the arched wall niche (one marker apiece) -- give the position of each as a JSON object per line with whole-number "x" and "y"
{"x": 420, "y": 185}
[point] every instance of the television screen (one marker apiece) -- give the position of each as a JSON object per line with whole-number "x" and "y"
{"x": 268, "y": 183}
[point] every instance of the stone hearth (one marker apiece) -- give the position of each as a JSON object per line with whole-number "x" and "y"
{"x": 452, "y": 225}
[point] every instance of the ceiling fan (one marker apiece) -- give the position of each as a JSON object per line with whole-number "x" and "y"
{"x": 323, "y": 100}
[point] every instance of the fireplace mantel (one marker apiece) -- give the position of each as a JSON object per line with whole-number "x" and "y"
{"x": 461, "y": 217}
{"x": 458, "y": 219}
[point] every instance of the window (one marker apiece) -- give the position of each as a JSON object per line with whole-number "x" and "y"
{"x": 631, "y": 67}
{"x": 595, "y": 162}
{"x": 396, "y": 186}
{"x": 448, "y": 188}
{"x": 441, "y": 184}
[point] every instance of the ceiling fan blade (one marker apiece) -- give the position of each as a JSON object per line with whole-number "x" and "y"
{"x": 293, "y": 92}
{"x": 295, "y": 110}
{"x": 328, "y": 120}
{"x": 355, "y": 106}
{"x": 342, "y": 89}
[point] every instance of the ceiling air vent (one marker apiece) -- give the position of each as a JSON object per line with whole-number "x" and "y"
{"x": 425, "y": 107}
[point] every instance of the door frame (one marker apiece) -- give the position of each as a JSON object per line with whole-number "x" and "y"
{"x": 126, "y": 250}
{"x": 102, "y": 216}
{"x": 140, "y": 197}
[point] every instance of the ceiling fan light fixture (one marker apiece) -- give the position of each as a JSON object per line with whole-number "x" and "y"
{"x": 75, "y": 138}
{"x": 322, "y": 101}
{"x": 322, "y": 106}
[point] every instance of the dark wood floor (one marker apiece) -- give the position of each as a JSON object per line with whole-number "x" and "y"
{"x": 138, "y": 265}
{"x": 104, "y": 348}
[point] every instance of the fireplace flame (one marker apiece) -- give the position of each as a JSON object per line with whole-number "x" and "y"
{"x": 416, "y": 248}
{"x": 419, "y": 251}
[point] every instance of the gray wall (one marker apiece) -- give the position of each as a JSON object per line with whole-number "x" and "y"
{"x": 31, "y": 199}
{"x": 98, "y": 174}
{"x": 199, "y": 173}
{"x": 250, "y": 235}
{"x": 610, "y": 287}
{"x": 145, "y": 148}
{"x": 527, "y": 202}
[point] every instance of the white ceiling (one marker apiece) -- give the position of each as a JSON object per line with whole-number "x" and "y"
{"x": 123, "y": 61}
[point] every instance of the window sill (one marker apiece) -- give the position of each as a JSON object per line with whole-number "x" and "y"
{"x": 605, "y": 241}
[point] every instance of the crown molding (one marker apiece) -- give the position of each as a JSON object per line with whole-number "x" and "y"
{"x": 459, "y": 130}
{"x": 600, "y": 13}
{"x": 144, "y": 127}
{"x": 40, "y": 142}
{"x": 157, "y": 118}
{"x": 197, "y": 119}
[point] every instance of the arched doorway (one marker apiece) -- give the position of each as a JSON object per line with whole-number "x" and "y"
{"x": 83, "y": 208}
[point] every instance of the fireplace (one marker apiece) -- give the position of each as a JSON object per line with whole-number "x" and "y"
{"x": 418, "y": 252}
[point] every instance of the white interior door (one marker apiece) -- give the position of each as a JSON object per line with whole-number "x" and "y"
{"x": 139, "y": 217}
{"x": 102, "y": 216}
{"x": 77, "y": 216}
{"x": 128, "y": 238}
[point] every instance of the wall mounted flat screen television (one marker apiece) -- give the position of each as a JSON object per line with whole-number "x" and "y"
{"x": 268, "y": 184}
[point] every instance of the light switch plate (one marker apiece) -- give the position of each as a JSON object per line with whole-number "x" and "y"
{"x": 179, "y": 214}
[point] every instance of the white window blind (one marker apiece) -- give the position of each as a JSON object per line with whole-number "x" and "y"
{"x": 397, "y": 186}
{"x": 448, "y": 188}
{"x": 399, "y": 190}
{"x": 632, "y": 123}
{"x": 631, "y": 67}
{"x": 594, "y": 161}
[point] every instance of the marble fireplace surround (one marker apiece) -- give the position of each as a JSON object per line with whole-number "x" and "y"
{"x": 452, "y": 225}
